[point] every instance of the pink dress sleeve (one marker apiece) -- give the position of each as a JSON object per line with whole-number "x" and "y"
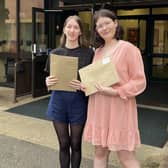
{"x": 136, "y": 82}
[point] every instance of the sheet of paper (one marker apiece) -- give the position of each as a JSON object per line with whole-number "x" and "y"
{"x": 102, "y": 72}
{"x": 65, "y": 68}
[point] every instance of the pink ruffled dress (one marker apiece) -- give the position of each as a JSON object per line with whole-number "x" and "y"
{"x": 112, "y": 120}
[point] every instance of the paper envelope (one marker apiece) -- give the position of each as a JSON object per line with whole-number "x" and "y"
{"x": 102, "y": 72}
{"x": 65, "y": 68}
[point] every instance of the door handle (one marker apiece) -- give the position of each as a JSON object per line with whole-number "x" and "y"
{"x": 34, "y": 48}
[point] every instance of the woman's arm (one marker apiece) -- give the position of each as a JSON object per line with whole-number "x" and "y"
{"x": 136, "y": 83}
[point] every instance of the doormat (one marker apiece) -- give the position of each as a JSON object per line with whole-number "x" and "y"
{"x": 35, "y": 109}
{"x": 152, "y": 123}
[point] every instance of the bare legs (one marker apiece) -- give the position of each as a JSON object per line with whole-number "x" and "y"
{"x": 101, "y": 157}
{"x": 127, "y": 158}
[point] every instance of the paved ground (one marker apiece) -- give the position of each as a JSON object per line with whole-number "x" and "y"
{"x": 28, "y": 142}
{"x": 31, "y": 143}
{"x": 16, "y": 153}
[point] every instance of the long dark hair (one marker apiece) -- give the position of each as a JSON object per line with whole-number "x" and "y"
{"x": 82, "y": 40}
{"x": 97, "y": 40}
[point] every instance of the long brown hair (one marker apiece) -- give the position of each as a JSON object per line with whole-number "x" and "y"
{"x": 97, "y": 40}
{"x": 82, "y": 40}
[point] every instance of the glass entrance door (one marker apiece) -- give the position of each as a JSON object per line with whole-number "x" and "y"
{"x": 160, "y": 50}
{"x": 39, "y": 52}
{"x": 135, "y": 32}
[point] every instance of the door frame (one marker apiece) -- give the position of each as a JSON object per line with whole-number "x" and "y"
{"x": 35, "y": 90}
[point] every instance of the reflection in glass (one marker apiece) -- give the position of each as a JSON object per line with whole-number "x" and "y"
{"x": 26, "y": 25}
{"x": 127, "y": 12}
{"x": 160, "y": 40}
{"x": 160, "y": 68}
{"x": 40, "y": 33}
{"x": 8, "y": 26}
{"x": 160, "y": 49}
{"x": 7, "y": 40}
{"x": 135, "y": 32}
{"x": 86, "y": 17}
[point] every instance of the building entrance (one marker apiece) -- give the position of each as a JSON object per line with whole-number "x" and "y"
{"x": 147, "y": 29}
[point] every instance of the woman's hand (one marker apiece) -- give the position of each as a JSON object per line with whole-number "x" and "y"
{"x": 51, "y": 80}
{"x": 76, "y": 84}
{"x": 109, "y": 91}
{"x": 83, "y": 87}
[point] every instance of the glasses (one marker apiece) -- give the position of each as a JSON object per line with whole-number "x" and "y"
{"x": 103, "y": 25}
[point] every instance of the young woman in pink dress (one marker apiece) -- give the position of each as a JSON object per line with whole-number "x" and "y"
{"x": 112, "y": 123}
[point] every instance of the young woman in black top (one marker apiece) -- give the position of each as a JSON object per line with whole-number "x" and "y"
{"x": 68, "y": 110}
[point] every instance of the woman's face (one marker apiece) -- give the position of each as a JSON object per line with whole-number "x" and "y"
{"x": 106, "y": 28}
{"x": 72, "y": 30}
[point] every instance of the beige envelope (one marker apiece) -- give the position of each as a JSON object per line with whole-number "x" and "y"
{"x": 65, "y": 68}
{"x": 102, "y": 72}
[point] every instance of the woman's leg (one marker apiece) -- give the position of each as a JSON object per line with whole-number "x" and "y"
{"x": 101, "y": 157}
{"x": 62, "y": 132}
{"x": 128, "y": 159}
{"x": 76, "y": 144}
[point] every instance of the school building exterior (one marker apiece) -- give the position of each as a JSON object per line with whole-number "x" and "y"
{"x": 30, "y": 29}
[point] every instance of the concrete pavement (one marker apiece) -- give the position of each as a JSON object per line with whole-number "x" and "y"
{"x": 29, "y": 142}
{"x": 15, "y": 153}
{"x": 39, "y": 136}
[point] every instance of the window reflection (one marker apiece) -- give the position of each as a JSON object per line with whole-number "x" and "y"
{"x": 8, "y": 26}
{"x": 160, "y": 67}
{"x": 135, "y": 32}
{"x": 160, "y": 49}
{"x": 160, "y": 41}
{"x": 26, "y": 25}
{"x": 7, "y": 41}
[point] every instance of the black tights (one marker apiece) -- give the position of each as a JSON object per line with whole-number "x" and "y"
{"x": 70, "y": 141}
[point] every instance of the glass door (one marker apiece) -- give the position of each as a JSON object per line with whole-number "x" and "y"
{"x": 39, "y": 52}
{"x": 135, "y": 32}
{"x": 160, "y": 50}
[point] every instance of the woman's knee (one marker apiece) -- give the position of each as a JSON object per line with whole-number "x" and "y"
{"x": 65, "y": 145}
{"x": 76, "y": 145}
{"x": 123, "y": 155}
{"x": 101, "y": 152}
